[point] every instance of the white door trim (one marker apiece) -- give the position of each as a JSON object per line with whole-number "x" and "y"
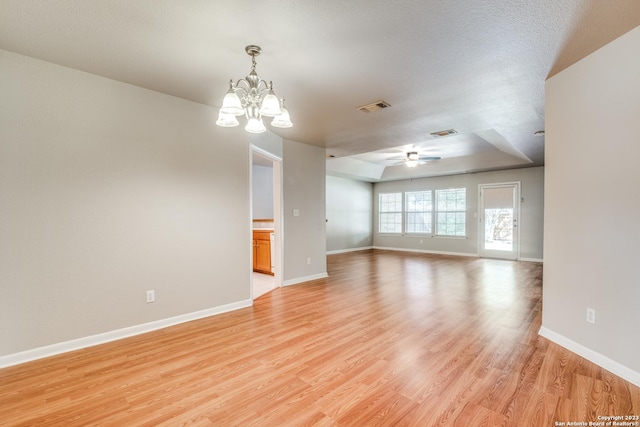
{"x": 515, "y": 254}
{"x": 278, "y": 219}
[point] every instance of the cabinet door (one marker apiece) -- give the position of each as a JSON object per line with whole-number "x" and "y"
{"x": 263, "y": 256}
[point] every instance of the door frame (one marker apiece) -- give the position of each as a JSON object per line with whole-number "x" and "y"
{"x": 278, "y": 218}
{"x": 515, "y": 253}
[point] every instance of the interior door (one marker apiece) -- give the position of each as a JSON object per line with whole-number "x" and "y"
{"x": 499, "y": 218}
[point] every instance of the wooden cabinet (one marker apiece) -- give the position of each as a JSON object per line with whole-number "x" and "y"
{"x": 262, "y": 251}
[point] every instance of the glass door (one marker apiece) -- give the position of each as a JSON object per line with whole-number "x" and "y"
{"x": 499, "y": 216}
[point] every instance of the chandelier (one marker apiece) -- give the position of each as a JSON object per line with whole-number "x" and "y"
{"x": 253, "y": 98}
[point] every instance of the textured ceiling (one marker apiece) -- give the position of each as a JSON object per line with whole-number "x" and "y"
{"x": 477, "y": 66}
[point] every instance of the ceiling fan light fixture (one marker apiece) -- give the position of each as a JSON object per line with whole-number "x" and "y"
{"x": 413, "y": 159}
{"x": 254, "y": 98}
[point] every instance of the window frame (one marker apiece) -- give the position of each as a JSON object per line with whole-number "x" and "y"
{"x": 428, "y": 212}
{"x": 456, "y": 212}
{"x": 395, "y": 212}
{"x": 402, "y": 227}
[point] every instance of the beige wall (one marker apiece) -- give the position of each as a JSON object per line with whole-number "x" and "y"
{"x": 304, "y": 190}
{"x": 349, "y": 214}
{"x": 592, "y": 206}
{"x": 108, "y": 190}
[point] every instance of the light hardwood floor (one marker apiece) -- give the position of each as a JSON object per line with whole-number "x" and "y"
{"x": 388, "y": 339}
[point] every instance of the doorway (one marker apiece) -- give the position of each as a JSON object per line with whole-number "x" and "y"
{"x": 266, "y": 221}
{"x": 499, "y": 220}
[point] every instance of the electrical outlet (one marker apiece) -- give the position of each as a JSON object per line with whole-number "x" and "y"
{"x": 308, "y": 260}
{"x": 591, "y": 315}
{"x": 151, "y": 296}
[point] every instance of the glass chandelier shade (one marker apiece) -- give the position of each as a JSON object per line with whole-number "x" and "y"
{"x": 226, "y": 120}
{"x": 282, "y": 120}
{"x": 253, "y": 98}
{"x": 231, "y": 104}
{"x": 255, "y": 125}
{"x": 270, "y": 104}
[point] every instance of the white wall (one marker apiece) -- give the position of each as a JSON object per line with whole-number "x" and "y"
{"x": 592, "y": 206}
{"x": 262, "y": 192}
{"x": 108, "y": 190}
{"x": 349, "y": 214}
{"x": 531, "y": 212}
{"x": 304, "y": 190}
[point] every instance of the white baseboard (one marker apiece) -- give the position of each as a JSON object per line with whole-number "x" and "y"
{"x": 342, "y": 251}
{"x": 423, "y": 251}
{"x": 593, "y": 356}
{"x": 304, "y": 279}
{"x": 77, "y": 344}
{"x": 531, "y": 259}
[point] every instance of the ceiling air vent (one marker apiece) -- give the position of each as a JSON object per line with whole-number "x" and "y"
{"x": 370, "y": 108}
{"x": 444, "y": 132}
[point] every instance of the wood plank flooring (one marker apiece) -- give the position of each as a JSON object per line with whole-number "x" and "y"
{"x": 390, "y": 339}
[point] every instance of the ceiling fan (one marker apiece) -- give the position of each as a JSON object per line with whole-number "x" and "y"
{"x": 414, "y": 159}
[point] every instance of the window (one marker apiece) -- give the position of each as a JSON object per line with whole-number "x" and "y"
{"x": 390, "y": 208}
{"x": 418, "y": 208}
{"x": 451, "y": 206}
{"x": 418, "y": 212}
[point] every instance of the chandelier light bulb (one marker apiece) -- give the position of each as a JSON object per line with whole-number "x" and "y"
{"x": 226, "y": 120}
{"x": 255, "y": 126}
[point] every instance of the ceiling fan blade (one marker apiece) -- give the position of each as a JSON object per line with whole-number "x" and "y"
{"x": 397, "y": 158}
{"x": 425, "y": 158}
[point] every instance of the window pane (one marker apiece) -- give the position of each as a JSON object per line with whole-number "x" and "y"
{"x": 451, "y": 215}
{"x": 418, "y": 211}
{"x": 498, "y": 229}
{"x": 418, "y": 223}
{"x": 390, "y": 213}
{"x": 390, "y": 223}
